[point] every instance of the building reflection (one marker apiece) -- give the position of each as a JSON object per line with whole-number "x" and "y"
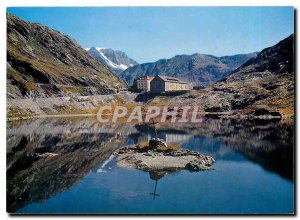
{"x": 46, "y": 157}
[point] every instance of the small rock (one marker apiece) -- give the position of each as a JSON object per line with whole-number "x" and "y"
{"x": 156, "y": 142}
{"x": 195, "y": 166}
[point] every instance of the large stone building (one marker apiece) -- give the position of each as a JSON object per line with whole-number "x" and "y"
{"x": 168, "y": 84}
{"x": 143, "y": 83}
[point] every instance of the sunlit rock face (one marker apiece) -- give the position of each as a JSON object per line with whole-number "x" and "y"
{"x": 42, "y": 62}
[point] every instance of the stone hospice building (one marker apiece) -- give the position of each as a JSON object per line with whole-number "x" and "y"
{"x": 162, "y": 84}
{"x": 143, "y": 83}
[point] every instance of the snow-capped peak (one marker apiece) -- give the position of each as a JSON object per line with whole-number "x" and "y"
{"x": 112, "y": 64}
{"x": 100, "y": 48}
{"x": 97, "y": 48}
{"x": 116, "y": 61}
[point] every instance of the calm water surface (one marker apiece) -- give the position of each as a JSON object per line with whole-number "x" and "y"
{"x": 65, "y": 166}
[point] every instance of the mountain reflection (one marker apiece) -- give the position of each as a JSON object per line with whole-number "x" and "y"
{"x": 48, "y": 156}
{"x": 268, "y": 144}
{"x": 43, "y": 164}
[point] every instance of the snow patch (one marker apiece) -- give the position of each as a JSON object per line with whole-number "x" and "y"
{"x": 100, "y": 48}
{"x": 108, "y": 61}
{"x": 124, "y": 67}
{"x": 97, "y": 48}
{"x": 112, "y": 64}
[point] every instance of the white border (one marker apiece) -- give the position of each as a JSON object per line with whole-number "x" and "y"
{"x": 9, "y": 3}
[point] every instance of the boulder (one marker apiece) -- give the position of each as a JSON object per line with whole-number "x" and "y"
{"x": 196, "y": 165}
{"x": 157, "y": 142}
{"x": 200, "y": 164}
{"x": 263, "y": 113}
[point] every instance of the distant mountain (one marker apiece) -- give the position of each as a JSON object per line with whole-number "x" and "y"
{"x": 197, "y": 68}
{"x": 116, "y": 61}
{"x": 263, "y": 88}
{"x": 263, "y": 84}
{"x": 274, "y": 60}
{"x": 42, "y": 62}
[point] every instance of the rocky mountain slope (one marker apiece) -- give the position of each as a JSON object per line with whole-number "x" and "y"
{"x": 262, "y": 87}
{"x": 198, "y": 68}
{"x": 275, "y": 60}
{"x": 42, "y": 62}
{"x": 117, "y": 61}
{"x": 264, "y": 82}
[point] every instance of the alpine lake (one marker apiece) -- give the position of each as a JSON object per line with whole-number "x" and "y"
{"x": 66, "y": 165}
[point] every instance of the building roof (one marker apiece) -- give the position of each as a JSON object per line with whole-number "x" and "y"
{"x": 171, "y": 79}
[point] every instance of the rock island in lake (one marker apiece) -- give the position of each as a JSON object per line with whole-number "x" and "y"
{"x": 157, "y": 155}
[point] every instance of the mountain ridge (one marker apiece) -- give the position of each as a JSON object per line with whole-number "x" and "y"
{"x": 115, "y": 60}
{"x": 277, "y": 59}
{"x": 202, "y": 69}
{"x": 261, "y": 89}
{"x": 42, "y": 62}
{"x": 262, "y": 85}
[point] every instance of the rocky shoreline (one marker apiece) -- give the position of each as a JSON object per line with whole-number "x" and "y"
{"x": 162, "y": 160}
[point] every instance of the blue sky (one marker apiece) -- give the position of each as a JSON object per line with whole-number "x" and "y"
{"x": 147, "y": 34}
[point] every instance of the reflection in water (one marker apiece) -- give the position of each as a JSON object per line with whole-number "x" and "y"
{"x": 46, "y": 157}
{"x": 156, "y": 175}
{"x": 268, "y": 144}
{"x": 41, "y": 165}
